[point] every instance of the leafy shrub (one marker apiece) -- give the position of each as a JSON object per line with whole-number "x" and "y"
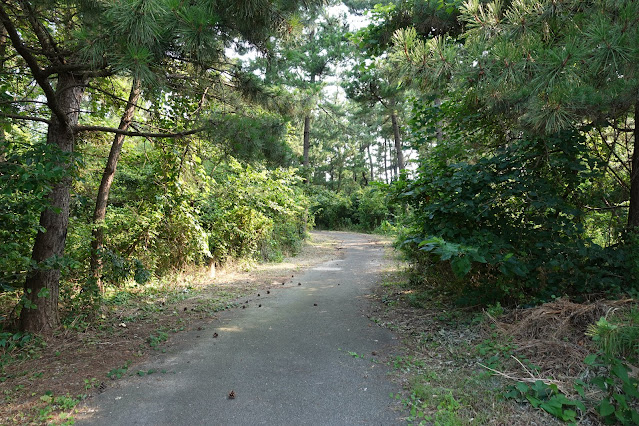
{"x": 365, "y": 209}
{"x": 28, "y": 172}
{"x": 331, "y": 210}
{"x": 372, "y": 206}
{"x": 515, "y": 219}
{"x": 255, "y": 212}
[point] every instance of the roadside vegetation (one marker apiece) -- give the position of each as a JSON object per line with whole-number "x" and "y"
{"x": 559, "y": 362}
{"x": 147, "y": 145}
{"x": 42, "y": 380}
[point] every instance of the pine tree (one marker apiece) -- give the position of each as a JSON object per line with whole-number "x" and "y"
{"x": 66, "y": 47}
{"x": 543, "y": 65}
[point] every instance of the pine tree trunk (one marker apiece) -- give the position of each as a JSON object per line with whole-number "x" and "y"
{"x": 107, "y": 180}
{"x": 633, "y": 212}
{"x": 41, "y": 288}
{"x": 386, "y": 161}
{"x": 398, "y": 142}
{"x": 307, "y": 139}
{"x": 370, "y": 161}
{"x": 3, "y": 53}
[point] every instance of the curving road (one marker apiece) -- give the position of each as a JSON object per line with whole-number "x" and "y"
{"x": 296, "y": 360}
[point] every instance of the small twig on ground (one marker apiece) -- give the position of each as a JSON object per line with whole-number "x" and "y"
{"x": 560, "y": 385}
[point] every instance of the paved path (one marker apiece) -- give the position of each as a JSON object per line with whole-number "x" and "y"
{"x": 288, "y": 361}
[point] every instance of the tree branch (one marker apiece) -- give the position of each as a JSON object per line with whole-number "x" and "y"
{"x": 46, "y": 41}
{"x": 78, "y": 129}
{"x": 25, "y": 117}
{"x": 32, "y": 63}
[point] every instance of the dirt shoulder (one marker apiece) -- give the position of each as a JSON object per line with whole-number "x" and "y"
{"x": 45, "y": 380}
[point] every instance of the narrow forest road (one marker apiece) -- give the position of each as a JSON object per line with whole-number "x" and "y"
{"x": 305, "y": 357}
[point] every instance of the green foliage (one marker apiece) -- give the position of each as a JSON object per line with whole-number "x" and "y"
{"x": 514, "y": 218}
{"x": 331, "y": 210}
{"x": 57, "y": 403}
{"x": 154, "y": 340}
{"x": 365, "y": 209}
{"x": 18, "y": 346}
{"x": 617, "y": 336}
{"x": 118, "y": 373}
{"x": 548, "y": 398}
{"x": 620, "y": 403}
{"x": 254, "y": 212}
{"x": 28, "y": 171}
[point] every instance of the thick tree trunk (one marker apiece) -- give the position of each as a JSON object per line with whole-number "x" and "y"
{"x": 41, "y": 288}
{"x": 107, "y": 180}
{"x": 398, "y": 142}
{"x": 633, "y": 212}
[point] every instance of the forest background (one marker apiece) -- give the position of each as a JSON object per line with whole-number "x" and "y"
{"x": 496, "y": 140}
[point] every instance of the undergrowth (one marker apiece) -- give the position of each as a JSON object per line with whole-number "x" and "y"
{"x": 483, "y": 366}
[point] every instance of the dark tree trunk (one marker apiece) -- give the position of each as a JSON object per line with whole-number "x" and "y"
{"x": 107, "y": 180}
{"x": 633, "y": 212}
{"x": 386, "y": 161}
{"x": 398, "y": 142}
{"x": 307, "y": 139}
{"x": 370, "y": 162}
{"x": 3, "y": 53}
{"x": 41, "y": 288}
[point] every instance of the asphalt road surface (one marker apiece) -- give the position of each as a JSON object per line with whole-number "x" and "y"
{"x": 304, "y": 357}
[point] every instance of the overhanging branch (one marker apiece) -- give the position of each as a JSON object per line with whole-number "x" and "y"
{"x": 25, "y": 117}
{"x": 32, "y": 63}
{"x": 79, "y": 129}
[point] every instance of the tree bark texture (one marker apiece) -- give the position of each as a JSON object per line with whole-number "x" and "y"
{"x": 41, "y": 287}
{"x": 398, "y": 142}
{"x": 633, "y": 211}
{"x": 107, "y": 180}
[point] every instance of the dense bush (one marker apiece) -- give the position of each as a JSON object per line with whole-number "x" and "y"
{"x": 25, "y": 182}
{"x": 365, "y": 209}
{"x": 514, "y": 220}
{"x": 255, "y": 212}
